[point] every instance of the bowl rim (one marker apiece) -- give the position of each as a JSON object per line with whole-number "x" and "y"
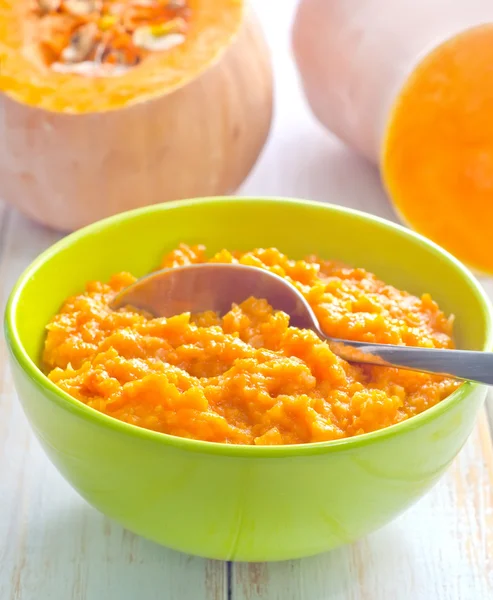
{"x": 115, "y": 426}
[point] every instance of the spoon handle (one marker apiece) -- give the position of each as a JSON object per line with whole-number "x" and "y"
{"x": 462, "y": 364}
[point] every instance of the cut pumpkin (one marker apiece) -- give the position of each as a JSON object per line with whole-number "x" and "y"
{"x": 437, "y": 161}
{"x": 409, "y": 85}
{"x": 108, "y": 105}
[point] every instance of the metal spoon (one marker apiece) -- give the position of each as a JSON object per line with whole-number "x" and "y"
{"x": 211, "y": 286}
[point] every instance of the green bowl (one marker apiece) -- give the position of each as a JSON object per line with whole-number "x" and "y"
{"x": 242, "y": 502}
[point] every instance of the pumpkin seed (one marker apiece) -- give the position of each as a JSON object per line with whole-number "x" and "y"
{"x": 82, "y": 42}
{"x": 81, "y": 8}
{"x": 90, "y": 69}
{"x": 48, "y": 6}
{"x": 115, "y": 9}
{"x": 177, "y": 25}
{"x": 144, "y": 37}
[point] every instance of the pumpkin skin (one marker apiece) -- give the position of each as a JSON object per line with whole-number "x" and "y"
{"x": 408, "y": 84}
{"x": 187, "y": 125}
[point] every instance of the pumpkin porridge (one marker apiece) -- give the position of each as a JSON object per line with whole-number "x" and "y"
{"x": 248, "y": 377}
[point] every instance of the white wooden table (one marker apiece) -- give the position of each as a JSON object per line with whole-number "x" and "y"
{"x": 53, "y": 546}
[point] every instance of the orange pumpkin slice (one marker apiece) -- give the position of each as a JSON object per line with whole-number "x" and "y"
{"x": 437, "y": 160}
{"x": 114, "y": 104}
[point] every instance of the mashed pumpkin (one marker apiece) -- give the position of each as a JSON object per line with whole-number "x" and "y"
{"x": 248, "y": 377}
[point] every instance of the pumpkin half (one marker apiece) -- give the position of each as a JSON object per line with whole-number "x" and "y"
{"x": 108, "y": 105}
{"x": 409, "y": 84}
{"x": 437, "y": 160}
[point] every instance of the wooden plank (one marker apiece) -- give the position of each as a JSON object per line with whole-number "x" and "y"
{"x": 441, "y": 549}
{"x": 52, "y": 544}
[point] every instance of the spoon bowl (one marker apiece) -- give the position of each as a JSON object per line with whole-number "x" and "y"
{"x": 214, "y": 286}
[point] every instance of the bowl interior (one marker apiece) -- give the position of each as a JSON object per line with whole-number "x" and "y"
{"x": 136, "y": 241}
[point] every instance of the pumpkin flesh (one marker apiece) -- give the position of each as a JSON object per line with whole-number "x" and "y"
{"x": 437, "y": 160}
{"x": 27, "y": 77}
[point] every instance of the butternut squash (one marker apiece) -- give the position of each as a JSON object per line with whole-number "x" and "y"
{"x": 109, "y": 105}
{"x": 409, "y": 85}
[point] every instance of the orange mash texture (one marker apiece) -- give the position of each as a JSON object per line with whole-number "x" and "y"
{"x": 249, "y": 378}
